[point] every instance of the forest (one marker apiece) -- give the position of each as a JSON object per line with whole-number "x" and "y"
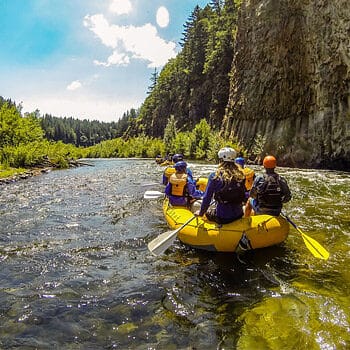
{"x": 24, "y": 143}
{"x": 195, "y": 85}
{"x": 84, "y": 132}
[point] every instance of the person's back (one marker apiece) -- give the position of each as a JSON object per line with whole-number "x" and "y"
{"x": 226, "y": 185}
{"x": 181, "y": 188}
{"x": 269, "y": 191}
{"x": 169, "y": 170}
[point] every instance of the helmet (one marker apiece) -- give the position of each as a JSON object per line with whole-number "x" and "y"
{"x": 240, "y": 161}
{"x": 269, "y": 162}
{"x": 227, "y": 154}
{"x": 180, "y": 165}
{"x": 177, "y": 158}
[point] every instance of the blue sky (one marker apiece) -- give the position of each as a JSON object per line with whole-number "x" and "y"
{"x": 86, "y": 58}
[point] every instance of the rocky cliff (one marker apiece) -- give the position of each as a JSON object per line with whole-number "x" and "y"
{"x": 290, "y": 86}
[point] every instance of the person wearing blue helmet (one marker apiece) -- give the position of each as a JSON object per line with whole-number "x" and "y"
{"x": 181, "y": 188}
{"x": 169, "y": 170}
{"x": 240, "y": 161}
{"x": 248, "y": 173}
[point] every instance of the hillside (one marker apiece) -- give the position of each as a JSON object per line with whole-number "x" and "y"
{"x": 272, "y": 74}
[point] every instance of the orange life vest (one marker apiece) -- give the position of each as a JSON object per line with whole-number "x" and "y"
{"x": 249, "y": 178}
{"x": 178, "y": 184}
{"x": 201, "y": 183}
{"x": 169, "y": 171}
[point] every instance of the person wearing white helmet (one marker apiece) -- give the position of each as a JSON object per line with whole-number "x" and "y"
{"x": 227, "y": 187}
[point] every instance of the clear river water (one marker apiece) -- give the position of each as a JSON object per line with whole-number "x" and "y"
{"x": 76, "y": 272}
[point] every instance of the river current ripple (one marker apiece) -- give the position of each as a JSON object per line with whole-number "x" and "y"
{"x": 76, "y": 273}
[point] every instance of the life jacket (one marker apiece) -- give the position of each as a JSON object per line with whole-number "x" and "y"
{"x": 166, "y": 162}
{"x": 201, "y": 184}
{"x": 178, "y": 184}
{"x": 249, "y": 178}
{"x": 169, "y": 171}
{"x": 232, "y": 192}
{"x": 270, "y": 194}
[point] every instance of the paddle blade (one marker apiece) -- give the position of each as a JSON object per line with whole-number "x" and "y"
{"x": 160, "y": 244}
{"x": 315, "y": 248}
{"x": 153, "y": 195}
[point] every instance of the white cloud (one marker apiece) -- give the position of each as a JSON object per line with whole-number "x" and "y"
{"x": 120, "y": 7}
{"x": 120, "y": 59}
{"x": 162, "y": 17}
{"x": 130, "y": 41}
{"x": 74, "y": 85}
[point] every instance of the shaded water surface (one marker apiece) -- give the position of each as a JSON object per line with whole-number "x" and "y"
{"x": 76, "y": 273}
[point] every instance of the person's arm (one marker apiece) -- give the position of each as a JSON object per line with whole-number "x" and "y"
{"x": 192, "y": 190}
{"x": 286, "y": 194}
{"x": 167, "y": 190}
{"x": 208, "y": 195}
{"x": 254, "y": 190}
{"x": 165, "y": 180}
{"x": 189, "y": 173}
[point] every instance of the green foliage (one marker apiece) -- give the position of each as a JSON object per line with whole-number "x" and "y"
{"x": 6, "y": 171}
{"x": 36, "y": 153}
{"x": 202, "y": 138}
{"x": 258, "y": 145}
{"x": 22, "y": 144}
{"x": 201, "y": 143}
{"x": 16, "y": 130}
{"x": 195, "y": 84}
{"x": 85, "y": 132}
{"x": 139, "y": 147}
{"x": 184, "y": 144}
{"x": 170, "y": 134}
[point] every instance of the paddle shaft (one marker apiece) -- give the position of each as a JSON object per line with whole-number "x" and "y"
{"x": 160, "y": 244}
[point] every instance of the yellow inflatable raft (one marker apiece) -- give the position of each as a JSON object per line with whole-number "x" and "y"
{"x": 258, "y": 231}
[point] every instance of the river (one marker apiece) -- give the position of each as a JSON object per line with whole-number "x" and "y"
{"x": 76, "y": 272}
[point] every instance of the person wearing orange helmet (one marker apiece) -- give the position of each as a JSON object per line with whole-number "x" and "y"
{"x": 269, "y": 191}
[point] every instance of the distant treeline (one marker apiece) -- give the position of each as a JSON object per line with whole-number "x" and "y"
{"x": 84, "y": 132}
{"x": 22, "y": 141}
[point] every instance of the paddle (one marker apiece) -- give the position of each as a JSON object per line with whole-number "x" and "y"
{"x": 150, "y": 184}
{"x": 315, "y": 248}
{"x": 160, "y": 244}
{"x": 153, "y": 194}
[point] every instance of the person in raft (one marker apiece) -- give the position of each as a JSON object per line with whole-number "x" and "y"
{"x": 269, "y": 191}
{"x": 227, "y": 186}
{"x": 169, "y": 170}
{"x": 181, "y": 188}
{"x": 249, "y": 175}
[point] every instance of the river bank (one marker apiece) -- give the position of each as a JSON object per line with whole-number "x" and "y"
{"x": 14, "y": 174}
{"x": 22, "y": 175}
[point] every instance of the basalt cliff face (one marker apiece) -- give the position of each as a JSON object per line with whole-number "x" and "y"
{"x": 290, "y": 86}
